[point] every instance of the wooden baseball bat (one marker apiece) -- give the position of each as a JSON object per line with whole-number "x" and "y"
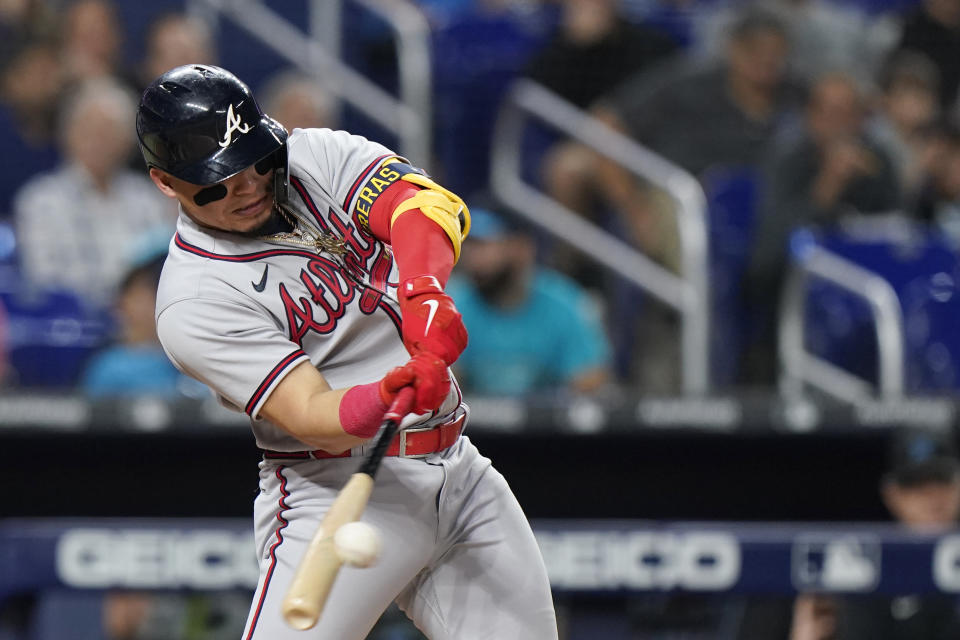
{"x": 320, "y": 565}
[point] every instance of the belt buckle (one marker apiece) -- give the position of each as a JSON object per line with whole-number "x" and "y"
{"x": 402, "y": 453}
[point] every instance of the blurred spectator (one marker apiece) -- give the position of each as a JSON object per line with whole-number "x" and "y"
{"x": 723, "y": 114}
{"x": 832, "y": 169}
{"x": 908, "y": 107}
{"x": 213, "y": 615}
{"x": 825, "y": 36}
{"x": 698, "y": 118}
{"x": 934, "y": 29}
{"x": 136, "y": 363}
{"x": 939, "y": 199}
{"x": 130, "y": 615}
{"x": 76, "y": 226}
{"x": 31, "y": 82}
{"x": 296, "y": 100}
{"x": 921, "y": 490}
{"x": 22, "y": 21}
{"x": 531, "y": 329}
{"x": 91, "y": 39}
{"x": 593, "y": 50}
{"x": 175, "y": 39}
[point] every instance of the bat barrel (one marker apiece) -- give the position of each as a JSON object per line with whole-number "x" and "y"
{"x": 314, "y": 578}
{"x": 299, "y": 614}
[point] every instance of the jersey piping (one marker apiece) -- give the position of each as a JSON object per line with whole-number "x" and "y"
{"x": 363, "y": 178}
{"x": 271, "y": 377}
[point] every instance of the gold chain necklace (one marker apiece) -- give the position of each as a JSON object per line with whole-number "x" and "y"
{"x": 305, "y": 237}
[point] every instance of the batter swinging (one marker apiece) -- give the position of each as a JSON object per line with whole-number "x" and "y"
{"x": 304, "y": 285}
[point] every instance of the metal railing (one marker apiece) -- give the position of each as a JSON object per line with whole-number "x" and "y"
{"x": 409, "y": 116}
{"x": 799, "y": 366}
{"x": 686, "y": 293}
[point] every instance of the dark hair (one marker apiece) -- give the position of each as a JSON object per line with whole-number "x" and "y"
{"x": 910, "y": 67}
{"x": 919, "y": 456}
{"x": 754, "y": 21}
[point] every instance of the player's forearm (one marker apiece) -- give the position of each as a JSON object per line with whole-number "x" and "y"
{"x": 314, "y": 420}
{"x": 304, "y": 405}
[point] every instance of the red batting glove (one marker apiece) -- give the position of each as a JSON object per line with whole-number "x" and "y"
{"x": 428, "y": 376}
{"x": 430, "y": 320}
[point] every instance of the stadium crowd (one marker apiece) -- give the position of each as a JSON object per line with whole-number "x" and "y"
{"x": 819, "y": 111}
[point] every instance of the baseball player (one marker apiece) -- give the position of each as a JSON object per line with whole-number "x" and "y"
{"x": 304, "y": 286}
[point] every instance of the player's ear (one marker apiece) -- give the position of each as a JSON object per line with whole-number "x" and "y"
{"x": 163, "y": 182}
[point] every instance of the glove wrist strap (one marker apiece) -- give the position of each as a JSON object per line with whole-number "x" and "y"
{"x": 361, "y": 410}
{"x": 417, "y": 285}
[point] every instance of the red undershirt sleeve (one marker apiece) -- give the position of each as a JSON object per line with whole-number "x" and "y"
{"x": 420, "y": 246}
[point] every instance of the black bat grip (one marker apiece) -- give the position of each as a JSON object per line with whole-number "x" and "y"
{"x": 400, "y": 407}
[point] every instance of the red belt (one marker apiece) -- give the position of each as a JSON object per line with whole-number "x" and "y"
{"x": 409, "y": 443}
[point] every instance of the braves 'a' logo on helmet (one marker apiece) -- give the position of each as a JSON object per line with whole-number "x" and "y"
{"x": 233, "y": 124}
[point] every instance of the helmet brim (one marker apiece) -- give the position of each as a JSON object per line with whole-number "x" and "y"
{"x": 246, "y": 150}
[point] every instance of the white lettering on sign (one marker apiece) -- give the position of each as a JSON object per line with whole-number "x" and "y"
{"x": 145, "y": 558}
{"x": 946, "y": 563}
{"x": 705, "y": 561}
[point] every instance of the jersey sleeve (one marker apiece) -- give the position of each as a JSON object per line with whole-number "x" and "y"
{"x": 354, "y": 170}
{"x": 234, "y": 349}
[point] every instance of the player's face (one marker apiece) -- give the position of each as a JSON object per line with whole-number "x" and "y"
{"x": 928, "y": 506}
{"x": 245, "y": 205}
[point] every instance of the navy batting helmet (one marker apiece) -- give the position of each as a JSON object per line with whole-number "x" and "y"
{"x": 201, "y": 124}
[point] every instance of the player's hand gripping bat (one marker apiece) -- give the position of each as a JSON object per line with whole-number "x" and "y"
{"x": 318, "y": 569}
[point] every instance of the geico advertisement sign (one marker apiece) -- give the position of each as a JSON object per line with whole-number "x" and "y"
{"x": 946, "y": 563}
{"x": 201, "y": 559}
{"x": 640, "y": 560}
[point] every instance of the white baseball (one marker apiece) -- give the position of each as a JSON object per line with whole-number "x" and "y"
{"x": 357, "y": 544}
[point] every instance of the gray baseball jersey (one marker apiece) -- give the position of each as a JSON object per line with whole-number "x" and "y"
{"x": 239, "y": 313}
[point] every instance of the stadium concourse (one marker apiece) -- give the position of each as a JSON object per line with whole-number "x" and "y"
{"x": 710, "y": 287}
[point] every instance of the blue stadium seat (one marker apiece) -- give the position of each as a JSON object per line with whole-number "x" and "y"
{"x": 732, "y": 201}
{"x": 925, "y": 273}
{"x": 931, "y": 306}
{"x": 51, "y": 334}
{"x": 475, "y": 59}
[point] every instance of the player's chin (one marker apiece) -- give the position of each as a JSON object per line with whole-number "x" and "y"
{"x": 250, "y": 218}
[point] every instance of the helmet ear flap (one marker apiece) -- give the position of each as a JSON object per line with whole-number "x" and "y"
{"x": 281, "y": 180}
{"x": 281, "y": 175}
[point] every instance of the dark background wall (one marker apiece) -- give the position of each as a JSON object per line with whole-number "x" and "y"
{"x": 649, "y": 474}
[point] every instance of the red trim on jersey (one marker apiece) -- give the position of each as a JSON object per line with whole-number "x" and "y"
{"x": 363, "y": 178}
{"x": 284, "y": 494}
{"x": 243, "y": 257}
{"x": 283, "y": 364}
{"x": 307, "y": 200}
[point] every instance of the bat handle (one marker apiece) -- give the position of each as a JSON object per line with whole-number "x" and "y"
{"x": 401, "y": 405}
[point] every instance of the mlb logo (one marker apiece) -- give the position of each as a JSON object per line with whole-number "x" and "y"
{"x": 832, "y": 563}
